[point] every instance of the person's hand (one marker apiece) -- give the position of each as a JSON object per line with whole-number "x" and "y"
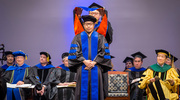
{"x": 20, "y": 83}
{"x": 42, "y": 91}
{"x": 73, "y": 82}
{"x": 101, "y": 11}
{"x": 60, "y": 84}
{"x": 79, "y": 11}
{"x": 93, "y": 63}
{"x": 87, "y": 63}
{"x": 87, "y": 68}
{"x": 38, "y": 92}
{"x": 171, "y": 81}
{"x": 152, "y": 80}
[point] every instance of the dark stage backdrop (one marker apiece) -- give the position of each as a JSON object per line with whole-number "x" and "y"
{"x": 47, "y": 25}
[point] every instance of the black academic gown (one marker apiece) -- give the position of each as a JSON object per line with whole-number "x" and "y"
{"x": 9, "y": 77}
{"x": 94, "y": 48}
{"x": 2, "y": 82}
{"x": 60, "y": 76}
{"x": 135, "y": 92}
{"x": 2, "y": 85}
{"x": 43, "y": 75}
{"x": 3, "y": 68}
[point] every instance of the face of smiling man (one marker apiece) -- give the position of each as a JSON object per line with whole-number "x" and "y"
{"x": 10, "y": 59}
{"x": 89, "y": 26}
{"x": 20, "y": 60}
{"x": 161, "y": 58}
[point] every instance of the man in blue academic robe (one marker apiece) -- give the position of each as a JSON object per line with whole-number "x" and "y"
{"x": 89, "y": 56}
{"x": 18, "y": 74}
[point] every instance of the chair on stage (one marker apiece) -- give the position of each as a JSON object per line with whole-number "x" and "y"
{"x": 118, "y": 86}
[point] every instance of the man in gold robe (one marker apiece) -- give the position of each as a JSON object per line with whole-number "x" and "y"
{"x": 161, "y": 79}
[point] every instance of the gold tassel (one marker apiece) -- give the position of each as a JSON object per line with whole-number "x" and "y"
{"x": 169, "y": 55}
{"x": 47, "y": 57}
{"x": 25, "y": 57}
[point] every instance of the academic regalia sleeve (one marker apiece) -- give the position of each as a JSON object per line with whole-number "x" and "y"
{"x": 146, "y": 76}
{"x": 57, "y": 76}
{"x": 109, "y": 34}
{"x": 70, "y": 76}
{"x": 103, "y": 57}
{"x": 130, "y": 76}
{"x": 3, "y": 88}
{"x": 7, "y": 76}
{"x": 75, "y": 57}
{"x": 61, "y": 75}
{"x": 74, "y": 12}
{"x": 27, "y": 74}
{"x": 30, "y": 73}
{"x": 50, "y": 72}
{"x": 178, "y": 71}
{"x": 2, "y": 71}
{"x": 51, "y": 89}
{"x": 172, "y": 74}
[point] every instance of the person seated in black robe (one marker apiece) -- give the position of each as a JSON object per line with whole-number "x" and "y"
{"x": 64, "y": 66}
{"x": 2, "y": 86}
{"x": 9, "y": 57}
{"x": 135, "y": 74}
{"x": 43, "y": 70}
{"x": 128, "y": 63}
{"x": 66, "y": 80}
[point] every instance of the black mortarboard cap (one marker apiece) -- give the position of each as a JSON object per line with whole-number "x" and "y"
{"x": 162, "y": 51}
{"x": 112, "y": 56}
{"x": 95, "y": 5}
{"x": 171, "y": 57}
{"x": 128, "y": 59}
{"x": 88, "y": 18}
{"x": 8, "y": 52}
{"x": 66, "y": 54}
{"x": 139, "y": 54}
{"x": 46, "y": 54}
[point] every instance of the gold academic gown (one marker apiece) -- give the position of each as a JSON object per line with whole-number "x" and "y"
{"x": 168, "y": 90}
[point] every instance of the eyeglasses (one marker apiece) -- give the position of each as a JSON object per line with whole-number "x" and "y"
{"x": 86, "y": 24}
{"x": 93, "y": 13}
